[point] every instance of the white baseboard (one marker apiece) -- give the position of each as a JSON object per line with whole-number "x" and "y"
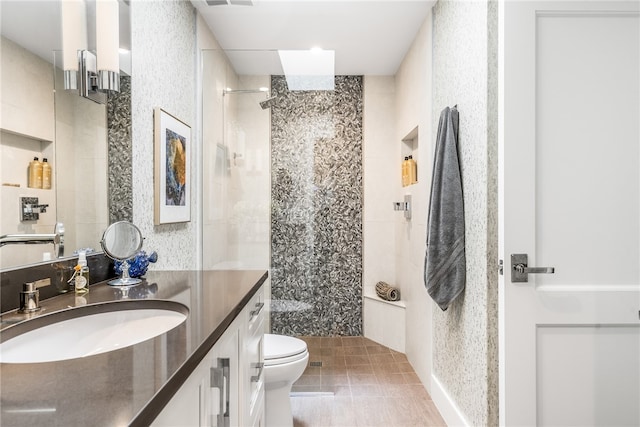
{"x": 446, "y": 405}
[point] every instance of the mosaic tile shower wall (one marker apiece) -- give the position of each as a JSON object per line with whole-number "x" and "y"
{"x": 316, "y": 218}
{"x": 119, "y": 153}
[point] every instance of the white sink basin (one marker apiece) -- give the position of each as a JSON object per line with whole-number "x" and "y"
{"x": 82, "y": 332}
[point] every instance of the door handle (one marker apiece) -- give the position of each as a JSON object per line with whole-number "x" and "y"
{"x": 520, "y": 269}
{"x": 523, "y": 269}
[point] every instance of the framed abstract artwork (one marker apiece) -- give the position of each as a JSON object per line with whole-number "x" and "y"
{"x": 172, "y": 169}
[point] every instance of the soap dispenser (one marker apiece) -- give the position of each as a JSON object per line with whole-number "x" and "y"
{"x": 81, "y": 274}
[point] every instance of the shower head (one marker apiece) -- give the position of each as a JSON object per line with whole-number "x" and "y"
{"x": 268, "y": 103}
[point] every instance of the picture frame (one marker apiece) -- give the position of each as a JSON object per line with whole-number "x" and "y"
{"x": 172, "y": 169}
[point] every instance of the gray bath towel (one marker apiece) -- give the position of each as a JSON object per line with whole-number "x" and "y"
{"x": 445, "y": 269}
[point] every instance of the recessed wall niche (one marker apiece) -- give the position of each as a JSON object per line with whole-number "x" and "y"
{"x": 410, "y": 148}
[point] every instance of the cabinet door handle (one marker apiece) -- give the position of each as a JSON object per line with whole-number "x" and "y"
{"x": 258, "y": 309}
{"x": 220, "y": 378}
{"x": 259, "y": 366}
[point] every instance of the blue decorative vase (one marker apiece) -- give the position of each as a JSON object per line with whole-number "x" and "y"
{"x": 137, "y": 265}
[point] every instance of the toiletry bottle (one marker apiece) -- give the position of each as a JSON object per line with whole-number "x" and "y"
{"x": 35, "y": 173}
{"x": 39, "y": 174}
{"x": 46, "y": 174}
{"x": 412, "y": 171}
{"x": 405, "y": 172}
{"x": 82, "y": 274}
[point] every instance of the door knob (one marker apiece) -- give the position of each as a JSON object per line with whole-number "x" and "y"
{"x": 520, "y": 270}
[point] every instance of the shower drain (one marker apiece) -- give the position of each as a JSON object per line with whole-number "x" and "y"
{"x": 316, "y": 364}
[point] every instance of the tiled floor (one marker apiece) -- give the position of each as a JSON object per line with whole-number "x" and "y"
{"x": 360, "y": 384}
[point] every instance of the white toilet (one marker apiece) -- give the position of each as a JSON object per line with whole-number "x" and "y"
{"x": 285, "y": 359}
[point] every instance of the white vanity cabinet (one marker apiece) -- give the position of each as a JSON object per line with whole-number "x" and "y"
{"x": 227, "y": 388}
{"x": 209, "y": 397}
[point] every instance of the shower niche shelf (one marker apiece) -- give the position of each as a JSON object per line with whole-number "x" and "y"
{"x": 410, "y": 148}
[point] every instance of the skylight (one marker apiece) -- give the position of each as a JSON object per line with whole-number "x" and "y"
{"x": 308, "y": 69}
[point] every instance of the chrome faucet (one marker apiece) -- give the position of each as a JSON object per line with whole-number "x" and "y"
{"x": 57, "y": 238}
{"x": 30, "y": 295}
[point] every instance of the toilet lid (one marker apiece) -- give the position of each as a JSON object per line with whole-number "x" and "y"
{"x": 280, "y": 346}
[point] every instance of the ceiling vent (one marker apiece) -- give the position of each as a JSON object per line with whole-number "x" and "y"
{"x": 229, "y": 2}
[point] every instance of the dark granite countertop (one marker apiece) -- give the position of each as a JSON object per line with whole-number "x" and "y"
{"x": 129, "y": 386}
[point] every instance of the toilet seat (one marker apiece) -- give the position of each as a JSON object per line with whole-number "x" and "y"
{"x": 280, "y": 349}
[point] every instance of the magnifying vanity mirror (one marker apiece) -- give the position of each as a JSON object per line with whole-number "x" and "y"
{"x": 121, "y": 241}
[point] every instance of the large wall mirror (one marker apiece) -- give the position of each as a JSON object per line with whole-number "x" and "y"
{"x": 87, "y": 144}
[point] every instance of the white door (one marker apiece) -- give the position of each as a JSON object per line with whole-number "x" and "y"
{"x": 570, "y": 199}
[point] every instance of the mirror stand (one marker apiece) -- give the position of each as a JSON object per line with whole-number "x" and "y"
{"x": 125, "y": 280}
{"x": 121, "y": 241}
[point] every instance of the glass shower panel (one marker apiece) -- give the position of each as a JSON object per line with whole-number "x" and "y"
{"x": 236, "y": 169}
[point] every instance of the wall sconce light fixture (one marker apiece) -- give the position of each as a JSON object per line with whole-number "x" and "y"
{"x": 74, "y": 39}
{"x": 107, "y": 40}
{"x": 92, "y": 75}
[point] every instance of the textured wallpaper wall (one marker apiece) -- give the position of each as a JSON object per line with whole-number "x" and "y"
{"x": 465, "y": 336}
{"x": 164, "y": 74}
{"x": 316, "y": 219}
